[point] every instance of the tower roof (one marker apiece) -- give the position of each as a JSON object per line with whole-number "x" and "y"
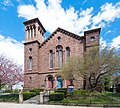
{"x": 33, "y": 21}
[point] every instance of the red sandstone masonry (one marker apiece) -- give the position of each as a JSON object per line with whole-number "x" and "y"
{"x": 40, "y": 55}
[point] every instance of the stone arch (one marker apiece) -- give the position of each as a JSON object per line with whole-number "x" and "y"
{"x": 49, "y": 81}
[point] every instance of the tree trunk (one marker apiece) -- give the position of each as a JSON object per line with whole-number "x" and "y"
{"x": 11, "y": 88}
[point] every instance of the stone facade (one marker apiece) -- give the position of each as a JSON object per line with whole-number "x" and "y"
{"x": 37, "y": 70}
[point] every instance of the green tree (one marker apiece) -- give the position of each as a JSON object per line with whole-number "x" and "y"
{"x": 92, "y": 66}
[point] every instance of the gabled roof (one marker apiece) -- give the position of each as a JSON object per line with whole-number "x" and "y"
{"x": 64, "y": 32}
{"x": 33, "y": 21}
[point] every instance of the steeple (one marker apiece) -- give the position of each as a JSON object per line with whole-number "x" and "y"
{"x": 34, "y": 31}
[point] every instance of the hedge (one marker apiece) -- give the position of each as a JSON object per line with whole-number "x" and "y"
{"x": 56, "y": 96}
{"x": 37, "y": 91}
{"x": 61, "y": 90}
{"x": 27, "y": 95}
{"x": 9, "y": 98}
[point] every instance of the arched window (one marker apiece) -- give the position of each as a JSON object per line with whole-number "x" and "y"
{"x": 30, "y": 63}
{"x": 30, "y": 79}
{"x": 59, "y": 56}
{"x": 51, "y": 59}
{"x": 67, "y": 54}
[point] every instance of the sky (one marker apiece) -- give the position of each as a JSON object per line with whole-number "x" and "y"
{"x": 75, "y": 16}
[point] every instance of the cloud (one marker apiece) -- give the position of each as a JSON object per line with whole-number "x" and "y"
{"x": 116, "y": 42}
{"x": 12, "y": 49}
{"x": 52, "y": 15}
{"x": 103, "y": 43}
{"x": 6, "y": 3}
{"x": 108, "y": 13}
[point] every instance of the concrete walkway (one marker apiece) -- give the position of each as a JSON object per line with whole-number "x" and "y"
{"x": 33, "y": 100}
{"x": 14, "y": 105}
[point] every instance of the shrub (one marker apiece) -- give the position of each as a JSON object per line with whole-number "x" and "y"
{"x": 9, "y": 98}
{"x": 61, "y": 90}
{"x": 27, "y": 95}
{"x": 81, "y": 92}
{"x": 7, "y": 91}
{"x": 56, "y": 96}
{"x": 37, "y": 91}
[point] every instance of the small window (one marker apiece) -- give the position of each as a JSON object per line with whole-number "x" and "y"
{"x": 92, "y": 39}
{"x": 59, "y": 39}
{"x": 30, "y": 49}
{"x": 30, "y": 79}
{"x": 30, "y": 63}
{"x": 67, "y": 54}
{"x": 51, "y": 59}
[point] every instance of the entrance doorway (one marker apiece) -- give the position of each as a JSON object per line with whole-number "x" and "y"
{"x": 50, "y": 81}
{"x": 59, "y": 82}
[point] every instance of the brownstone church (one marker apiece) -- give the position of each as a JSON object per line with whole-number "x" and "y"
{"x": 44, "y": 57}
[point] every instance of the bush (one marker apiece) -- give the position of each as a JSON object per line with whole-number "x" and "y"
{"x": 9, "y": 98}
{"x": 56, "y": 96}
{"x": 37, "y": 91}
{"x": 81, "y": 92}
{"x": 61, "y": 90}
{"x": 7, "y": 91}
{"x": 27, "y": 95}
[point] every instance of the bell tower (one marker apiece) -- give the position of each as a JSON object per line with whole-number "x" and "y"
{"x": 34, "y": 31}
{"x": 34, "y": 36}
{"x": 92, "y": 38}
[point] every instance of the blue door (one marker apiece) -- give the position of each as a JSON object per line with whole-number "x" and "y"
{"x": 59, "y": 82}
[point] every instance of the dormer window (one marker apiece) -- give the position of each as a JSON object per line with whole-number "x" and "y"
{"x": 92, "y": 39}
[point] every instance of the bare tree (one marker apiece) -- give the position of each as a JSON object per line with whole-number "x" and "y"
{"x": 92, "y": 66}
{"x": 10, "y": 72}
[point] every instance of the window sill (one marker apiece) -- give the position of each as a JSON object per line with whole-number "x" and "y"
{"x": 50, "y": 68}
{"x": 57, "y": 68}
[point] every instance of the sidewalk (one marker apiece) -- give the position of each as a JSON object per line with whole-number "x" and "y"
{"x": 14, "y": 105}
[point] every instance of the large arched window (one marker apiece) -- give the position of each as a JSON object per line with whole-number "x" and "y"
{"x": 51, "y": 59}
{"x": 30, "y": 63}
{"x": 59, "y": 56}
{"x": 67, "y": 54}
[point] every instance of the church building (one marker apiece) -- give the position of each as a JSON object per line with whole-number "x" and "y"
{"x": 44, "y": 57}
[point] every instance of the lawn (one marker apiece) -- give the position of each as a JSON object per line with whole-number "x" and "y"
{"x": 85, "y": 97}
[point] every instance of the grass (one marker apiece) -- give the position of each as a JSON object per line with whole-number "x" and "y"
{"x": 85, "y": 97}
